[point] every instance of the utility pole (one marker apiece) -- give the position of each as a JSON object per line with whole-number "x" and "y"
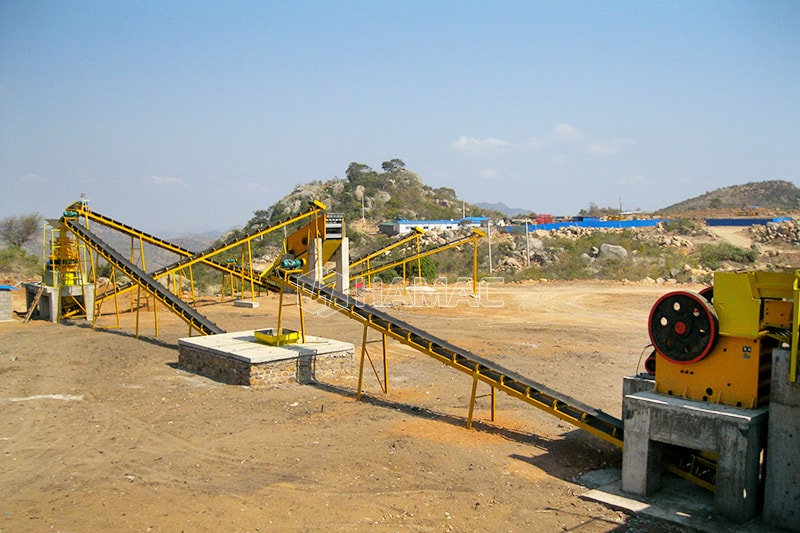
{"x": 527, "y": 244}
{"x": 489, "y": 228}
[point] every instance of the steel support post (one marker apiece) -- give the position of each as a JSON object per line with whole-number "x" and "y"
{"x": 472, "y": 400}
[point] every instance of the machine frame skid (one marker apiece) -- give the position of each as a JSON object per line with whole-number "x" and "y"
{"x": 756, "y": 312}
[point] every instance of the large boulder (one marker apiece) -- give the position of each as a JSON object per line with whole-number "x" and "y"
{"x": 612, "y": 251}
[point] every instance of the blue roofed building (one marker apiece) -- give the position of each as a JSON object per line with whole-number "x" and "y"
{"x": 402, "y": 226}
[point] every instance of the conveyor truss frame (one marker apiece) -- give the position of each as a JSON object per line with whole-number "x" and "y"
{"x": 370, "y": 270}
{"x": 592, "y": 420}
{"x": 189, "y": 258}
{"x": 696, "y": 466}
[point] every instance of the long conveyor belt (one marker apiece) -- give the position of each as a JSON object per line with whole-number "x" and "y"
{"x": 175, "y": 304}
{"x": 189, "y": 257}
{"x": 588, "y": 418}
{"x": 82, "y": 210}
{"x": 686, "y": 463}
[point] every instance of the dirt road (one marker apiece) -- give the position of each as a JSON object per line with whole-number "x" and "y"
{"x": 101, "y": 431}
{"x": 735, "y": 235}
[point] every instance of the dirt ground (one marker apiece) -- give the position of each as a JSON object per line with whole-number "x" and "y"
{"x": 101, "y": 431}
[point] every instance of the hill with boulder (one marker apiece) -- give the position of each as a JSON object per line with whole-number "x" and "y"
{"x": 375, "y": 196}
{"x": 682, "y": 248}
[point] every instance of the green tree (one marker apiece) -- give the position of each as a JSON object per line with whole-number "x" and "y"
{"x": 597, "y": 211}
{"x": 356, "y": 170}
{"x": 17, "y": 230}
{"x": 714, "y": 256}
{"x": 262, "y": 218}
{"x": 426, "y": 266}
{"x": 393, "y": 165}
{"x": 16, "y": 261}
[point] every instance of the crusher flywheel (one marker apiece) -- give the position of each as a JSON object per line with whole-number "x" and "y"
{"x": 683, "y": 327}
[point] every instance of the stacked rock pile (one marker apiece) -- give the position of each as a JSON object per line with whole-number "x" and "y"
{"x": 776, "y": 232}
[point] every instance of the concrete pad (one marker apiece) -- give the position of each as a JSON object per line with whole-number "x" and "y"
{"x": 250, "y": 304}
{"x": 242, "y": 345}
{"x": 679, "y": 502}
{"x": 240, "y": 359}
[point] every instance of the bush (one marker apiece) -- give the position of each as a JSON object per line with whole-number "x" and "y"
{"x": 15, "y": 260}
{"x": 714, "y": 256}
{"x": 104, "y": 270}
{"x": 681, "y": 226}
{"x": 426, "y": 266}
{"x": 356, "y": 237}
{"x": 571, "y": 261}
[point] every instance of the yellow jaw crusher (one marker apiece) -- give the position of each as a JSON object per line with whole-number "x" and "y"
{"x": 716, "y": 345}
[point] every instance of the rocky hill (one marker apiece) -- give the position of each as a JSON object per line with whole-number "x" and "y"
{"x": 397, "y": 192}
{"x": 682, "y": 250}
{"x": 762, "y": 195}
{"x": 377, "y": 196}
{"x": 368, "y": 197}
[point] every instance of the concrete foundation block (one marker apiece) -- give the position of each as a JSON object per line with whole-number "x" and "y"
{"x": 49, "y": 307}
{"x": 634, "y": 384}
{"x": 239, "y": 359}
{"x": 782, "y": 480}
{"x": 250, "y": 304}
{"x": 736, "y": 435}
{"x": 6, "y": 313}
{"x": 342, "y": 259}
{"x": 315, "y": 260}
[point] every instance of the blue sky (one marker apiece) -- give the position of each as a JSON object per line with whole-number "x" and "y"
{"x": 174, "y": 116}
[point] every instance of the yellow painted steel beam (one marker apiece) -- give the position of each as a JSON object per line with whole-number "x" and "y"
{"x": 415, "y": 234}
{"x": 315, "y": 208}
{"x": 384, "y": 385}
{"x": 795, "y": 328}
{"x": 84, "y": 211}
{"x": 472, "y": 238}
{"x": 685, "y": 463}
{"x": 468, "y": 364}
{"x": 191, "y": 258}
{"x": 144, "y": 281}
{"x": 693, "y": 476}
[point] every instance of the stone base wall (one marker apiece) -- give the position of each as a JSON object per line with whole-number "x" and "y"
{"x": 6, "y": 313}
{"x": 303, "y": 369}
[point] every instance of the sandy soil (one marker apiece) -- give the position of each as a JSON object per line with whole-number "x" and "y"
{"x": 101, "y": 431}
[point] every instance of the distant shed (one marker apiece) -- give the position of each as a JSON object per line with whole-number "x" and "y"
{"x": 402, "y": 226}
